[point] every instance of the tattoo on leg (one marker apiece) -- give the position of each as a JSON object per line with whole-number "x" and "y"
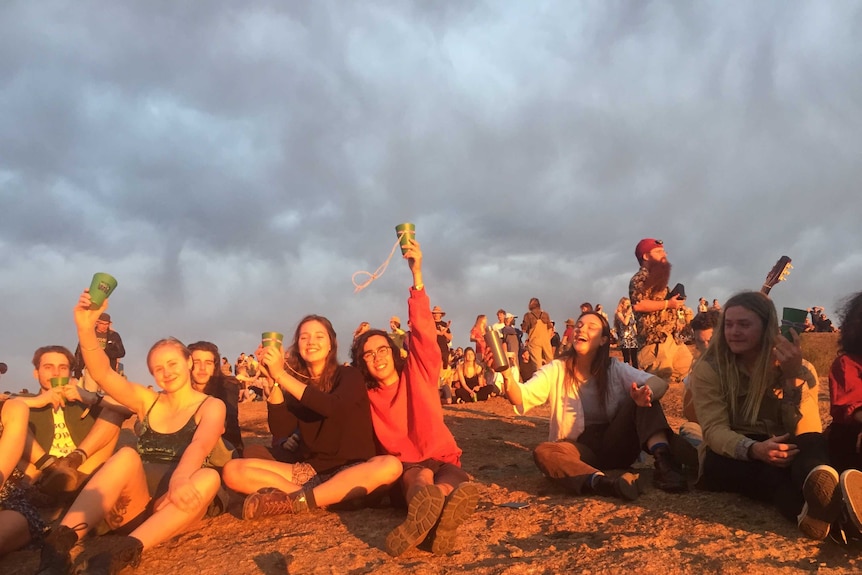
{"x": 117, "y": 515}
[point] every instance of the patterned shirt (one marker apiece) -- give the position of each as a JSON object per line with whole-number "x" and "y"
{"x": 654, "y": 326}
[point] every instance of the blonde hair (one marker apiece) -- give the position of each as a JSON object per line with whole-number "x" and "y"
{"x": 725, "y": 363}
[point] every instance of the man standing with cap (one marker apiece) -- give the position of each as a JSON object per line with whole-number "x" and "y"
{"x": 656, "y": 315}
{"x": 110, "y": 342}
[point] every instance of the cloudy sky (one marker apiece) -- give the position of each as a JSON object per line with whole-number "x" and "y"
{"x": 233, "y": 164}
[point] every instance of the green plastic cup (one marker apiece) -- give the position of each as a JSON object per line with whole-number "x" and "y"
{"x": 405, "y": 231}
{"x": 271, "y": 339}
{"x": 792, "y": 318}
{"x": 100, "y": 288}
{"x": 59, "y": 381}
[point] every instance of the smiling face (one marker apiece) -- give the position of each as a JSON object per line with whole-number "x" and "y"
{"x": 743, "y": 332}
{"x": 170, "y": 367}
{"x": 588, "y": 337}
{"x": 314, "y": 345}
{"x": 377, "y": 356}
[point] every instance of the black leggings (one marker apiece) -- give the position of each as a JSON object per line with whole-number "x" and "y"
{"x": 630, "y": 356}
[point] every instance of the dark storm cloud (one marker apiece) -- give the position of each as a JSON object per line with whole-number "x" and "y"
{"x": 237, "y": 163}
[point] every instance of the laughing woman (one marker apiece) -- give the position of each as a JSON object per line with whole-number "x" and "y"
{"x": 328, "y": 404}
{"x": 156, "y": 491}
{"x": 603, "y": 413}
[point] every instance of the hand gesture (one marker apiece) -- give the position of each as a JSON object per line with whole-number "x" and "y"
{"x": 291, "y": 443}
{"x": 774, "y": 451}
{"x": 51, "y": 396}
{"x": 182, "y": 493}
{"x": 413, "y": 254}
{"x": 271, "y": 358}
{"x": 262, "y": 369}
{"x": 71, "y": 393}
{"x": 84, "y": 316}
{"x": 788, "y": 354}
{"x": 675, "y": 302}
{"x": 641, "y": 395}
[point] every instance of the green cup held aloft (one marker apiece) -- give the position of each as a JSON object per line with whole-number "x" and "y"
{"x": 271, "y": 339}
{"x": 404, "y": 231}
{"x": 100, "y": 288}
{"x": 792, "y": 318}
{"x": 59, "y": 381}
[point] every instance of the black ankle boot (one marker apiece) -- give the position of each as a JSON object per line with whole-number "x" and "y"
{"x": 623, "y": 487}
{"x": 126, "y": 551}
{"x": 55, "y": 558}
{"x": 668, "y": 475}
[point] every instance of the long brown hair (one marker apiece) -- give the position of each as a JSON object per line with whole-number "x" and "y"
{"x": 724, "y": 361}
{"x": 300, "y": 367}
{"x": 601, "y": 362}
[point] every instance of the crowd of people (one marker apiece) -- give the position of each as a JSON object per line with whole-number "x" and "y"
{"x": 354, "y": 434}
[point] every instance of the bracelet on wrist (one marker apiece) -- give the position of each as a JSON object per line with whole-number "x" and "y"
{"x": 83, "y": 454}
{"x": 90, "y": 348}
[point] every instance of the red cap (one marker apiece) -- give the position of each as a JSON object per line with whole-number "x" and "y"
{"x": 645, "y": 246}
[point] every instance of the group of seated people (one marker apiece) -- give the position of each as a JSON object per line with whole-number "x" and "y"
{"x": 345, "y": 435}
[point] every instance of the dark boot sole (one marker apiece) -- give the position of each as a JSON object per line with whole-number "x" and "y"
{"x": 628, "y": 486}
{"x": 851, "y": 490}
{"x": 460, "y": 504}
{"x": 423, "y": 511}
{"x": 822, "y": 502}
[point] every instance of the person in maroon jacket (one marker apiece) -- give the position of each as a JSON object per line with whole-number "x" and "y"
{"x": 408, "y": 423}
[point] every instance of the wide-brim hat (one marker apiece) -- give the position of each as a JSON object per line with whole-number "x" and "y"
{"x": 437, "y": 309}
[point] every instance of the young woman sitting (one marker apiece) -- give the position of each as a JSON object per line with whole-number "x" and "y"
{"x": 158, "y": 490}
{"x": 761, "y": 423}
{"x": 603, "y": 414}
{"x": 328, "y": 404}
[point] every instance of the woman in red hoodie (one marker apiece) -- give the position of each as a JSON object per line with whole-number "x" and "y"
{"x": 408, "y": 423}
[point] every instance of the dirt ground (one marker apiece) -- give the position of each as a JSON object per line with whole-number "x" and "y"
{"x": 697, "y": 532}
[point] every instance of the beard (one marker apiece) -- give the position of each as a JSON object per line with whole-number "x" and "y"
{"x": 659, "y": 274}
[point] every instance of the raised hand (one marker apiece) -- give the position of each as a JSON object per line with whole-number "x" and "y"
{"x": 788, "y": 354}
{"x": 84, "y": 316}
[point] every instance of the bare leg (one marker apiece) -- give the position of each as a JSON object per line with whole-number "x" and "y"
{"x": 358, "y": 480}
{"x": 416, "y": 478}
{"x": 117, "y": 493}
{"x": 14, "y": 531}
{"x": 170, "y": 520}
{"x": 249, "y": 475}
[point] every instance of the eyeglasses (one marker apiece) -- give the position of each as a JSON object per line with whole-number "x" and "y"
{"x": 382, "y": 351}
